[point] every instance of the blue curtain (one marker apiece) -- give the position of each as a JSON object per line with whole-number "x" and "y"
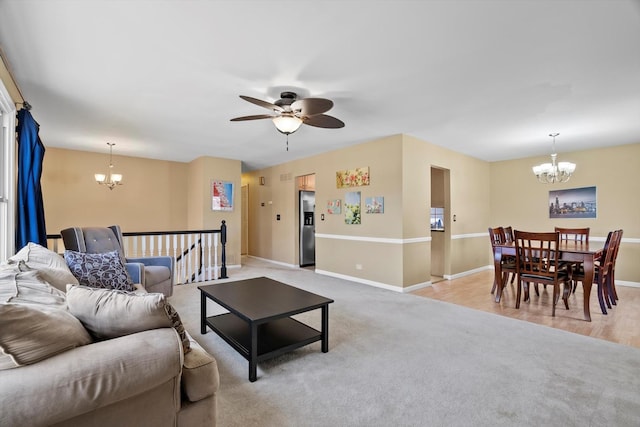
{"x": 30, "y": 225}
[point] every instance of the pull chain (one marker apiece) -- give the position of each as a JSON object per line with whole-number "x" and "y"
{"x": 287, "y": 142}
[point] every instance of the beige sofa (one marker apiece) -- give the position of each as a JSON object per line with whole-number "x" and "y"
{"x": 141, "y": 378}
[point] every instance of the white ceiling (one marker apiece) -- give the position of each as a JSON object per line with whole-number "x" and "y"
{"x": 490, "y": 79}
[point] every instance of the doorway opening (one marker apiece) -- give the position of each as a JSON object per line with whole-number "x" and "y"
{"x": 440, "y": 223}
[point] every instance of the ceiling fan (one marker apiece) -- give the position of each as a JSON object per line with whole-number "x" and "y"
{"x": 289, "y": 112}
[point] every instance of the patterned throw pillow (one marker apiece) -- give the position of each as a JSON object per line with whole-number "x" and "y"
{"x": 104, "y": 270}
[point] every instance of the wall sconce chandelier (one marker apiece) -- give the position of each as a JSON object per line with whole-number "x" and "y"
{"x": 550, "y": 173}
{"x": 111, "y": 179}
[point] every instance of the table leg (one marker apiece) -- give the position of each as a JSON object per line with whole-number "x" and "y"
{"x": 586, "y": 284}
{"x": 497, "y": 280}
{"x": 253, "y": 353}
{"x": 325, "y": 328}
{"x": 203, "y": 313}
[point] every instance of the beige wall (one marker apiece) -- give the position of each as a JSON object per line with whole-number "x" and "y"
{"x": 156, "y": 195}
{"x": 202, "y": 171}
{"x": 393, "y": 248}
{"x": 517, "y": 199}
{"x": 152, "y": 197}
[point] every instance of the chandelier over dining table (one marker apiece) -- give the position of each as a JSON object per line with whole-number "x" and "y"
{"x": 555, "y": 171}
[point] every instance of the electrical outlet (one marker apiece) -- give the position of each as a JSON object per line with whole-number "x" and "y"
{"x": 358, "y": 266}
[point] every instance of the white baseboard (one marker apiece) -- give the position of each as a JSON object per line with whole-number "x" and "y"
{"x": 284, "y": 264}
{"x": 374, "y": 283}
{"x": 468, "y": 272}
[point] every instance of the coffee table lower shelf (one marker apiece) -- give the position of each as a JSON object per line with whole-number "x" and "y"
{"x": 275, "y": 338}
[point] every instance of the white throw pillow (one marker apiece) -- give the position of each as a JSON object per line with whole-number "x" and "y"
{"x": 20, "y": 284}
{"x": 51, "y": 266}
{"x": 111, "y": 313}
{"x": 31, "y": 333}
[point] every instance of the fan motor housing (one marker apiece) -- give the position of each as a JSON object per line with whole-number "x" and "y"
{"x": 286, "y": 98}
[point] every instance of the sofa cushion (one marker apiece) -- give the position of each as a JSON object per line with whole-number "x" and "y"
{"x": 102, "y": 270}
{"x": 31, "y": 333}
{"x": 110, "y": 313}
{"x": 20, "y": 284}
{"x": 51, "y": 266}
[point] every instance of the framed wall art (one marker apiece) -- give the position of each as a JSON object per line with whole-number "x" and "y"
{"x": 334, "y": 206}
{"x": 221, "y": 195}
{"x": 352, "y": 208}
{"x": 573, "y": 203}
{"x": 374, "y": 205}
{"x": 352, "y": 177}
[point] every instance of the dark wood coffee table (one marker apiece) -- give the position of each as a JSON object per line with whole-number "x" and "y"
{"x": 258, "y": 324}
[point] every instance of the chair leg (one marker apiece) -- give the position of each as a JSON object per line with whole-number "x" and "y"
{"x": 601, "y": 297}
{"x": 567, "y": 288}
{"x": 611, "y": 289}
{"x": 535, "y": 288}
{"x": 556, "y": 295}
{"x": 518, "y": 294}
{"x": 525, "y": 286}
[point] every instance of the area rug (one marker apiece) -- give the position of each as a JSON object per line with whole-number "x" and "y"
{"x": 402, "y": 360}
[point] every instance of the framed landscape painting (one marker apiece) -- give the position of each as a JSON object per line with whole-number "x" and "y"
{"x": 573, "y": 203}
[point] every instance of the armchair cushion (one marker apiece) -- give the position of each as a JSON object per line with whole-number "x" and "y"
{"x": 109, "y": 313}
{"x": 31, "y": 333}
{"x": 99, "y": 270}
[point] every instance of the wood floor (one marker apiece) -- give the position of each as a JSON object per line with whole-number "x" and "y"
{"x": 620, "y": 325}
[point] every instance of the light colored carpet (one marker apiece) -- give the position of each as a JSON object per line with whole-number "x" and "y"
{"x": 402, "y": 360}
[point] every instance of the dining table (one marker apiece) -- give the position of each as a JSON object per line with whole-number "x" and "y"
{"x": 586, "y": 253}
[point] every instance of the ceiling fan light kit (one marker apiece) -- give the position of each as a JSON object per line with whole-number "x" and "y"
{"x": 289, "y": 113}
{"x": 287, "y": 124}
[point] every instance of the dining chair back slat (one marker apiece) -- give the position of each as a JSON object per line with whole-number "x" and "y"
{"x": 537, "y": 263}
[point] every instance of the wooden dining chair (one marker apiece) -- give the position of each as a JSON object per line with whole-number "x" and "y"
{"x": 602, "y": 271}
{"x": 537, "y": 263}
{"x": 612, "y": 275}
{"x": 508, "y": 265}
{"x": 576, "y": 235}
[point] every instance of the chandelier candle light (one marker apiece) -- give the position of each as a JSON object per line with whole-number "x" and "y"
{"x": 553, "y": 172}
{"x": 112, "y": 179}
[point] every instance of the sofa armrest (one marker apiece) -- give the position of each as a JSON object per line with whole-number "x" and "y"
{"x": 136, "y": 271}
{"x": 200, "y": 377}
{"x": 89, "y": 377}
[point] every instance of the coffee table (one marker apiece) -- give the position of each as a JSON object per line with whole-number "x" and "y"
{"x": 259, "y": 324}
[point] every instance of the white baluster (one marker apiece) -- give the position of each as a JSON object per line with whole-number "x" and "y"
{"x": 215, "y": 256}
{"x": 144, "y": 245}
{"x": 190, "y": 265}
{"x": 167, "y": 246}
{"x": 135, "y": 246}
{"x": 175, "y": 245}
{"x": 159, "y": 245}
{"x": 208, "y": 256}
{"x": 183, "y": 255}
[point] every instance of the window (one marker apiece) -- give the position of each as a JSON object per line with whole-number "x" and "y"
{"x": 7, "y": 173}
{"x": 437, "y": 219}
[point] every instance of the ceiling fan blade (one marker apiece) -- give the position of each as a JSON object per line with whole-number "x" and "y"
{"x": 256, "y": 117}
{"x": 323, "y": 121}
{"x": 312, "y": 106}
{"x": 261, "y": 103}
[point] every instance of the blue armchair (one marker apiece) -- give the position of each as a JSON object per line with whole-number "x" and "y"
{"x": 154, "y": 273}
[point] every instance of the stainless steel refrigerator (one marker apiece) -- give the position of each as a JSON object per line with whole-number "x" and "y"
{"x": 307, "y": 228}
